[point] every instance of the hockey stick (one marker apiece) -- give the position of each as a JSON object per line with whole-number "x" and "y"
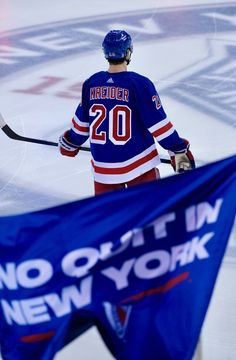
{"x": 11, "y": 134}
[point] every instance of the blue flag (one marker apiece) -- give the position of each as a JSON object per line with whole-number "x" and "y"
{"x": 139, "y": 263}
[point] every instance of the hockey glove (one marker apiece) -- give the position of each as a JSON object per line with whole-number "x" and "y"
{"x": 183, "y": 160}
{"x": 66, "y": 147}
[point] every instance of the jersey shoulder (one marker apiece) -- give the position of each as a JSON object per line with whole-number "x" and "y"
{"x": 96, "y": 77}
{"x": 143, "y": 86}
{"x": 139, "y": 77}
{"x": 141, "y": 81}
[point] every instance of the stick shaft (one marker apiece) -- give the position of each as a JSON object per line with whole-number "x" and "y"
{"x": 13, "y": 135}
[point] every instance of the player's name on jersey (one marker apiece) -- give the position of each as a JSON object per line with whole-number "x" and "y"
{"x": 109, "y": 92}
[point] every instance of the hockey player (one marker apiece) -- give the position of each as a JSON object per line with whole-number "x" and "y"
{"x": 122, "y": 115}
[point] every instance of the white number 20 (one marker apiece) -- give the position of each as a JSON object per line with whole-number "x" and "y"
{"x": 119, "y": 124}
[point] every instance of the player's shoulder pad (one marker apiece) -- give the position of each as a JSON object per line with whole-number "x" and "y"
{"x": 95, "y": 76}
{"x": 141, "y": 80}
{"x": 136, "y": 76}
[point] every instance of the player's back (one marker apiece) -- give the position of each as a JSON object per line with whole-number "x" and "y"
{"x": 116, "y": 107}
{"x": 113, "y": 104}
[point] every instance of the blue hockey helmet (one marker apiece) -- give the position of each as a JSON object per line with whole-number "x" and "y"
{"x": 117, "y": 45}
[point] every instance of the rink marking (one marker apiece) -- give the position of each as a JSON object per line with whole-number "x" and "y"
{"x": 27, "y": 48}
{"x": 36, "y": 45}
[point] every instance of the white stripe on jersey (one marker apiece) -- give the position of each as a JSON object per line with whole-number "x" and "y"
{"x": 79, "y": 122}
{"x": 80, "y": 127}
{"x": 126, "y": 162}
{"x": 122, "y": 178}
{"x": 159, "y": 125}
{"x": 162, "y": 129}
{"x": 165, "y": 135}
{"x": 121, "y": 172}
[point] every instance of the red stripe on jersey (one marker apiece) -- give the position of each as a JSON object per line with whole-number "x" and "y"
{"x": 162, "y": 130}
{"x": 127, "y": 168}
{"x": 80, "y": 128}
{"x": 37, "y": 337}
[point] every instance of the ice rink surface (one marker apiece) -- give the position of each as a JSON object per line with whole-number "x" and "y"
{"x": 48, "y": 48}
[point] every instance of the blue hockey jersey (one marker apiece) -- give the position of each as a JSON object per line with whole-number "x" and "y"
{"x": 122, "y": 115}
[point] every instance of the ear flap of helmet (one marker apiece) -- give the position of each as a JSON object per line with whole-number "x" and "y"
{"x": 128, "y": 56}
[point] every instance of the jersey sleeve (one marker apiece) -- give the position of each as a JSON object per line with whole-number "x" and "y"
{"x": 155, "y": 119}
{"x": 79, "y": 131}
